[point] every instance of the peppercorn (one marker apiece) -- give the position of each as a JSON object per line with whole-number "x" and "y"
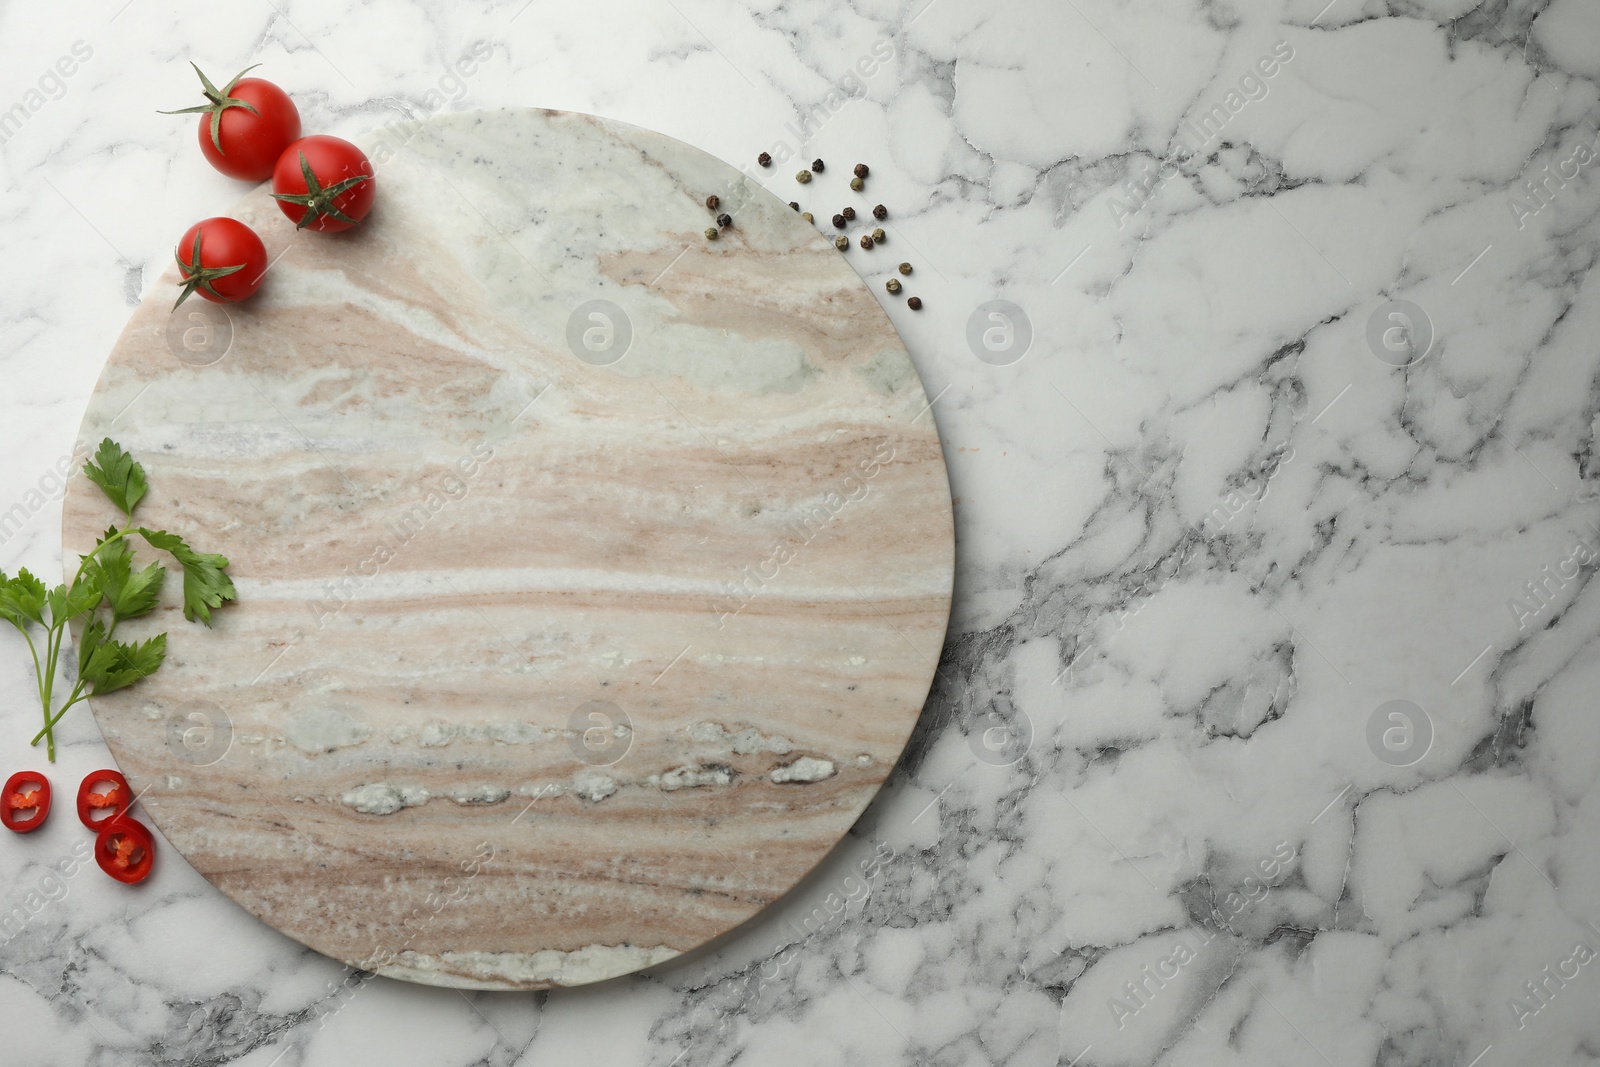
{"x": 711, "y": 233}
{"x": 841, "y": 242}
{"x": 816, "y": 165}
{"x": 712, "y": 201}
{"x": 807, "y": 216}
{"x": 803, "y": 177}
{"x": 764, "y": 159}
{"x": 838, "y": 222}
{"x": 880, "y": 212}
{"x": 878, "y": 235}
{"x": 794, "y": 205}
{"x": 866, "y": 240}
{"x": 849, "y": 213}
{"x": 724, "y": 221}
{"x": 861, "y": 170}
{"x": 914, "y": 303}
{"x": 893, "y": 285}
{"x": 857, "y": 184}
{"x": 904, "y": 268}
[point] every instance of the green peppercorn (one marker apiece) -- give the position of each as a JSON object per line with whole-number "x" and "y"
{"x": 878, "y": 235}
{"x": 880, "y": 212}
{"x": 893, "y": 285}
{"x": 816, "y": 165}
{"x": 807, "y": 216}
{"x": 838, "y": 222}
{"x": 857, "y": 184}
{"x": 914, "y": 303}
{"x": 711, "y": 233}
{"x": 866, "y": 240}
{"x": 803, "y": 177}
{"x": 712, "y": 201}
{"x": 904, "y": 268}
{"x": 841, "y": 242}
{"x": 724, "y": 221}
{"x": 764, "y": 159}
{"x": 849, "y": 212}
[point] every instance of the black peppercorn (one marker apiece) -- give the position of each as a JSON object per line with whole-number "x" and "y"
{"x": 764, "y": 159}
{"x": 816, "y": 165}
{"x": 861, "y": 170}
{"x": 880, "y": 212}
{"x": 914, "y": 303}
{"x": 794, "y": 205}
{"x": 866, "y": 240}
{"x": 724, "y": 221}
{"x": 838, "y": 222}
{"x": 712, "y": 201}
{"x": 849, "y": 213}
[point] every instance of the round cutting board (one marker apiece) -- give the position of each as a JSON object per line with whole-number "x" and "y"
{"x": 592, "y": 574}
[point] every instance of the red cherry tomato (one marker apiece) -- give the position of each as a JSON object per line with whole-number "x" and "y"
{"x": 23, "y": 810}
{"x": 245, "y": 125}
{"x": 222, "y": 259}
{"x": 115, "y": 799}
{"x": 124, "y": 849}
{"x": 324, "y": 184}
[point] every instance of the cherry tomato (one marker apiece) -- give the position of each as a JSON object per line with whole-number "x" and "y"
{"x": 115, "y": 799}
{"x": 124, "y": 849}
{"x": 23, "y": 810}
{"x": 245, "y": 125}
{"x": 222, "y": 259}
{"x": 324, "y": 184}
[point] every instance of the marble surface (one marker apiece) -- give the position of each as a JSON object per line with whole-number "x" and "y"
{"x": 565, "y": 640}
{"x": 1202, "y": 487}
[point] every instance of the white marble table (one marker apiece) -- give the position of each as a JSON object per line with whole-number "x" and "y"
{"x": 1205, "y": 486}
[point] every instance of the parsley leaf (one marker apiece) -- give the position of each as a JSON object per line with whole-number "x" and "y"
{"x": 118, "y": 476}
{"x": 129, "y": 593}
{"x": 206, "y": 584}
{"x": 114, "y": 665}
{"x": 22, "y": 599}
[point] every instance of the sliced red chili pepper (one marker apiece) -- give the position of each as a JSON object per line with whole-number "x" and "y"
{"x": 115, "y": 800}
{"x": 23, "y": 810}
{"x": 124, "y": 849}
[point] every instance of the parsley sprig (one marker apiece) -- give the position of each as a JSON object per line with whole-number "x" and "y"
{"x": 106, "y": 591}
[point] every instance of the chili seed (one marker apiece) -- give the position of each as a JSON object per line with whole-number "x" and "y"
{"x": 711, "y": 233}
{"x": 712, "y": 201}
{"x": 764, "y": 159}
{"x": 866, "y": 240}
{"x": 861, "y": 170}
{"x": 803, "y": 177}
{"x": 841, "y": 242}
{"x": 878, "y": 235}
{"x": 904, "y": 268}
{"x": 724, "y": 221}
{"x": 857, "y": 184}
{"x": 794, "y": 205}
{"x": 849, "y": 213}
{"x": 914, "y": 303}
{"x": 816, "y": 165}
{"x": 893, "y": 285}
{"x": 880, "y": 212}
{"x": 838, "y": 222}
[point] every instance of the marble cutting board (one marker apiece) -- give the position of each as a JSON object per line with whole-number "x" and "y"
{"x": 592, "y": 574}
